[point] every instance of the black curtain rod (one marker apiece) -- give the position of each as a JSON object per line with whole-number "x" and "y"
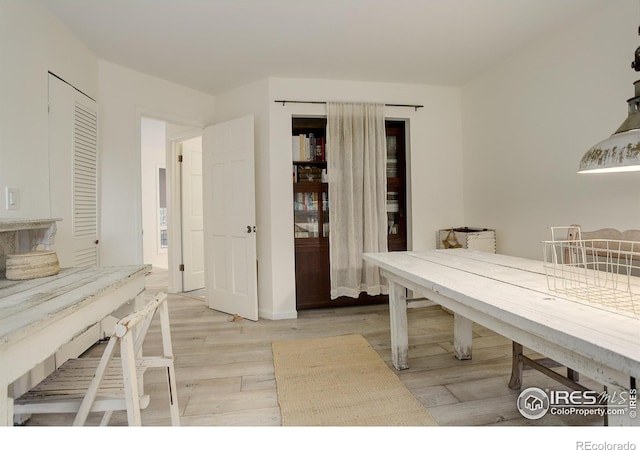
{"x": 324, "y": 103}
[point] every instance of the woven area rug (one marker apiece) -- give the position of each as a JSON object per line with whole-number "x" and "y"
{"x": 341, "y": 381}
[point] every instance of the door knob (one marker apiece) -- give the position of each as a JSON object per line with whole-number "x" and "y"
{"x": 248, "y": 229}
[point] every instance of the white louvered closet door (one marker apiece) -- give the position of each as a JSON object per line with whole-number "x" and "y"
{"x": 73, "y": 162}
{"x": 85, "y": 184}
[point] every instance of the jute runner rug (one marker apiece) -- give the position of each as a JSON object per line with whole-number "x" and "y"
{"x": 341, "y": 381}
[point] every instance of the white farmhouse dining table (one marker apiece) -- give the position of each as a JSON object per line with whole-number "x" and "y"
{"x": 510, "y": 296}
{"x": 39, "y": 316}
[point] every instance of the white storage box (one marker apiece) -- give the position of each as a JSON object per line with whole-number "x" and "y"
{"x": 481, "y": 239}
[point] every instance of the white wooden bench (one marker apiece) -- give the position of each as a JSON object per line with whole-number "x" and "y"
{"x": 606, "y": 233}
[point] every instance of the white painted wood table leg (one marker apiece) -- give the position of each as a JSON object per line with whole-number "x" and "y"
{"x": 6, "y": 405}
{"x": 398, "y": 325}
{"x": 462, "y": 336}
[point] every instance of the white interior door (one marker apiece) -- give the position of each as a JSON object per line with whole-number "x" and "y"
{"x": 73, "y": 171}
{"x": 192, "y": 219}
{"x": 229, "y": 218}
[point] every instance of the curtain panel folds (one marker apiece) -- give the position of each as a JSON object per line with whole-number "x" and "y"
{"x": 356, "y": 163}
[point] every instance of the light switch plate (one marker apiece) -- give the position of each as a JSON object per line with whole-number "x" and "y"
{"x": 12, "y": 198}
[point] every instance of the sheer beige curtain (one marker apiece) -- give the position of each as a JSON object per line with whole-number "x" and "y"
{"x": 356, "y": 163}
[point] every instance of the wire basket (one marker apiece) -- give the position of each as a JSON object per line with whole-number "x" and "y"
{"x": 600, "y": 272}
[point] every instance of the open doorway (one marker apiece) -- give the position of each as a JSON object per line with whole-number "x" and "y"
{"x": 154, "y": 193}
{"x": 171, "y": 192}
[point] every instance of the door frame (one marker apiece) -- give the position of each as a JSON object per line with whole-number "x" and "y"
{"x": 173, "y": 190}
{"x": 174, "y": 213}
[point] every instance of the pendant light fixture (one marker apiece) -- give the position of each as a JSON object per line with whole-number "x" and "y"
{"x": 621, "y": 151}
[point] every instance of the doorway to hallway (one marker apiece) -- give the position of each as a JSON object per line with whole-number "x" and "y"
{"x": 171, "y": 192}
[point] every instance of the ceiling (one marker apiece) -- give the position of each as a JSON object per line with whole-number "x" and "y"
{"x": 216, "y": 45}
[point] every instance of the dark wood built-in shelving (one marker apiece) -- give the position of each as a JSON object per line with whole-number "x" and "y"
{"x": 312, "y": 215}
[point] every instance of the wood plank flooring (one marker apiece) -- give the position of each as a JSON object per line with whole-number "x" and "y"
{"x": 225, "y": 372}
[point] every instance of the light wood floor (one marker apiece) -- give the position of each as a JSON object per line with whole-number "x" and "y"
{"x": 226, "y": 378}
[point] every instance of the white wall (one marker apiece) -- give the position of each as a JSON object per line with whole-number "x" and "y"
{"x": 125, "y": 97}
{"x": 33, "y": 42}
{"x": 153, "y": 157}
{"x": 519, "y": 129}
{"x": 435, "y": 152}
{"x": 435, "y": 172}
{"x": 528, "y": 121}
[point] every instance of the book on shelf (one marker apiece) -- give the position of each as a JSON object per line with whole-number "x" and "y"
{"x": 308, "y": 174}
{"x": 299, "y": 231}
{"x": 308, "y": 148}
{"x": 298, "y": 203}
{"x": 303, "y": 147}
{"x": 392, "y": 168}
{"x": 295, "y": 148}
{"x": 305, "y": 201}
{"x": 393, "y": 206}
